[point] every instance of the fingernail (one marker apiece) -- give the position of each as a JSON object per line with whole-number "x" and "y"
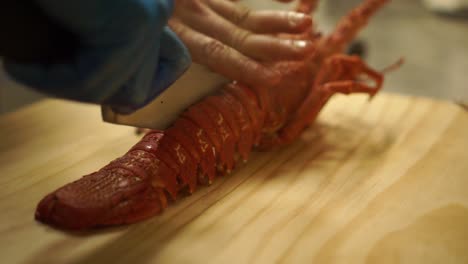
{"x": 300, "y": 43}
{"x": 297, "y": 44}
{"x": 295, "y": 19}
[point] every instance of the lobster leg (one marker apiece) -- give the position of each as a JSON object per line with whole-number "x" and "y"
{"x": 343, "y": 81}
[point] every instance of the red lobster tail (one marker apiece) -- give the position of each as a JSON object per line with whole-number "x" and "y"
{"x": 161, "y": 166}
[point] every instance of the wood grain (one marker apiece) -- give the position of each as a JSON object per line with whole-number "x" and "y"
{"x": 384, "y": 181}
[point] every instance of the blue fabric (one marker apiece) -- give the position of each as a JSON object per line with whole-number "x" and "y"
{"x": 127, "y": 55}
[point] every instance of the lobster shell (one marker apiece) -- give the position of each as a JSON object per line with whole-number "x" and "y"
{"x": 210, "y": 138}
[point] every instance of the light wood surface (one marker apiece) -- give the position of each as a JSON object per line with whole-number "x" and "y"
{"x": 384, "y": 181}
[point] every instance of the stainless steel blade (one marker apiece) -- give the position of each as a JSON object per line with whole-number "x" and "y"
{"x": 195, "y": 84}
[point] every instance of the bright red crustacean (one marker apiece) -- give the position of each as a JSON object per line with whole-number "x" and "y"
{"x": 213, "y": 135}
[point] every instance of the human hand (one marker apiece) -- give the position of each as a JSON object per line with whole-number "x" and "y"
{"x": 237, "y": 42}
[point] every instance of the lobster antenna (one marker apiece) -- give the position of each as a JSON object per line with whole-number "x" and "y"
{"x": 394, "y": 66}
{"x": 348, "y": 27}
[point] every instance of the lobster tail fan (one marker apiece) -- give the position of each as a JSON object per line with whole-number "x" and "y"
{"x": 348, "y": 27}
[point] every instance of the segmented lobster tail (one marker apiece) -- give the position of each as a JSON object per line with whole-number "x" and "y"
{"x": 350, "y": 25}
{"x": 162, "y": 165}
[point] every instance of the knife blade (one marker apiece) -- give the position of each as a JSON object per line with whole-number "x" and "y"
{"x": 196, "y": 83}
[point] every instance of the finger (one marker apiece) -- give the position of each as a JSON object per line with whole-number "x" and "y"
{"x": 270, "y": 22}
{"x": 307, "y": 6}
{"x": 223, "y": 59}
{"x": 268, "y": 48}
{"x": 259, "y": 47}
{"x": 261, "y": 21}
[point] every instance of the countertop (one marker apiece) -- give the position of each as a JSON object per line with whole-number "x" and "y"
{"x": 371, "y": 182}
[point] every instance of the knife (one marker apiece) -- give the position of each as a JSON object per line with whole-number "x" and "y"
{"x": 196, "y": 83}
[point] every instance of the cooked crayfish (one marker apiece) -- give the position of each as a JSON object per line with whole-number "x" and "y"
{"x": 213, "y": 135}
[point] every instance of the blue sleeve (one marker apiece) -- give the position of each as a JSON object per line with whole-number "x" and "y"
{"x": 126, "y": 56}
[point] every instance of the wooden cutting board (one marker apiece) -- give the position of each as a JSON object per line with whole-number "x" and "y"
{"x": 384, "y": 181}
